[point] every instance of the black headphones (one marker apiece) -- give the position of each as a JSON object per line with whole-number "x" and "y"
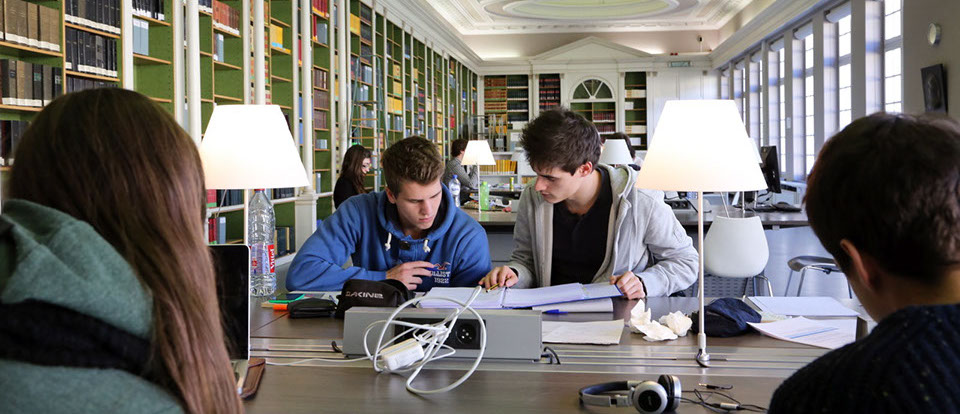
{"x": 647, "y": 397}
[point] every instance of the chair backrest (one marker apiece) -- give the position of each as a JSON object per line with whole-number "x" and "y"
{"x": 735, "y": 247}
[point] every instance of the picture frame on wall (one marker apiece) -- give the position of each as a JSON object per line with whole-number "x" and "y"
{"x": 934, "y": 88}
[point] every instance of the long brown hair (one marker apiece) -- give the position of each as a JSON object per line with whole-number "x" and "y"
{"x": 116, "y": 160}
{"x": 352, "y": 164}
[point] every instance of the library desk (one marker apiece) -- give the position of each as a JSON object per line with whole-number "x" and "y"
{"x": 755, "y": 365}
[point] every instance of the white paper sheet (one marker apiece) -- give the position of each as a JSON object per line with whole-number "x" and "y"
{"x": 802, "y": 306}
{"x": 591, "y": 305}
{"x": 486, "y": 300}
{"x": 601, "y": 290}
{"x": 808, "y": 332}
{"x": 522, "y": 298}
{"x": 596, "y": 333}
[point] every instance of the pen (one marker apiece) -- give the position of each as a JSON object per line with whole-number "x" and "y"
{"x": 495, "y": 285}
{"x": 555, "y": 312}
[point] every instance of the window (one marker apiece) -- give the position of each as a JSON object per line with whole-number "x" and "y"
{"x": 844, "y": 82}
{"x": 592, "y": 89}
{"x": 892, "y": 56}
{"x": 781, "y": 81}
{"x": 759, "y": 85}
{"x": 808, "y": 113}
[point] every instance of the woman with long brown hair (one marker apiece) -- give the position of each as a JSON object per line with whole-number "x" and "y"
{"x": 108, "y": 292}
{"x": 356, "y": 165}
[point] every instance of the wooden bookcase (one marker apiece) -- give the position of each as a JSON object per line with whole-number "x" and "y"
{"x": 635, "y": 109}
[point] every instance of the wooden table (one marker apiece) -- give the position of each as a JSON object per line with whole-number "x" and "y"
{"x": 754, "y": 364}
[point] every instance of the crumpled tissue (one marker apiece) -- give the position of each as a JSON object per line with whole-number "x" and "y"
{"x": 676, "y": 324}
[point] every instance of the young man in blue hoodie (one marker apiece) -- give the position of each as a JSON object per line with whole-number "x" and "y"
{"x": 412, "y": 232}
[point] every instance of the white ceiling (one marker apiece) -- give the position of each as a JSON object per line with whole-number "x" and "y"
{"x": 485, "y": 17}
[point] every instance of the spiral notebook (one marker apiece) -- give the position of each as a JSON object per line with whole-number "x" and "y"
{"x": 519, "y": 298}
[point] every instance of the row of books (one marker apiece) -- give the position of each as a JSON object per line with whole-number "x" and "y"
{"x": 226, "y": 18}
{"x": 494, "y": 82}
{"x": 10, "y": 133}
{"x": 635, "y": 93}
{"x": 517, "y": 93}
{"x": 29, "y": 84}
{"x": 549, "y": 82}
{"x": 517, "y": 106}
{"x": 320, "y": 121}
{"x": 321, "y": 31}
{"x": 91, "y": 53}
{"x": 517, "y": 81}
{"x": 207, "y": 6}
{"x": 605, "y": 116}
{"x": 75, "y": 84}
{"x": 395, "y": 122}
{"x": 276, "y": 37}
{"x": 321, "y": 7}
{"x": 494, "y": 94}
{"x": 517, "y": 117}
{"x": 149, "y": 8}
{"x": 102, "y": 15}
{"x": 321, "y": 99}
{"x": 394, "y": 105}
{"x": 278, "y": 193}
{"x": 217, "y": 230}
{"x": 284, "y": 239}
{"x": 320, "y": 78}
{"x": 141, "y": 37}
{"x": 30, "y": 24}
{"x": 606, "y": 128}
{"x": 502, "y": 167}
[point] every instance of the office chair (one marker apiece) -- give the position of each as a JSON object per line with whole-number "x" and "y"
{"x": 736, "y": 247}
{"x": 803, "y": 263}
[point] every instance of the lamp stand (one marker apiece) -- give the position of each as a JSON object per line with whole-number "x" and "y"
{"x": 703, "y": 358}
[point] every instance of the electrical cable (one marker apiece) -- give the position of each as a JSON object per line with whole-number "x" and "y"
{"x": 722, "y": 407}
{"x": 433, "y": 336}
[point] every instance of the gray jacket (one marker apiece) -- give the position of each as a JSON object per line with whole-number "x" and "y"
{"x": 468, "y": 181}
{"x": 643, "y": 236}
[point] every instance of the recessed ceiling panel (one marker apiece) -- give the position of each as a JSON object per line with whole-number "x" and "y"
{"x": 580, "y": 10}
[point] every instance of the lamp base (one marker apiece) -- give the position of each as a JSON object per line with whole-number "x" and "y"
{"x": 703, "y": 358}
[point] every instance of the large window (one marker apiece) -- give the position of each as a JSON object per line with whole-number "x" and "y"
{"x": 808, "y": 113}
{"x": 892, "y": 56}
{"x": 844, "y": 82}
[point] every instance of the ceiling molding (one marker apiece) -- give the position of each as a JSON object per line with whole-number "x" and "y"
{"x": 772, "y": 19}
{"x": 590, "y": 41}
{"x": 473, "y": 17}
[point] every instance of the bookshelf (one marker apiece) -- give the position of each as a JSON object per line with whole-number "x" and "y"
{"x": 364, "y": 110}
{"x": 635, "y": 109}
{"x": 394, "y": 83}
{"x": 548, "y": 91}
{"x": 594, "y": 100}
{"x": 324, "y": 140}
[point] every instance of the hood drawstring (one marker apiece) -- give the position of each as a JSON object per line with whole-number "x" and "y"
{"x": 426, "y": 248}
{"x": 389, "y": 237}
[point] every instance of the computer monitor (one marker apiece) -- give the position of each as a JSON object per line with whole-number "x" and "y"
{"x": 770, "y": 167}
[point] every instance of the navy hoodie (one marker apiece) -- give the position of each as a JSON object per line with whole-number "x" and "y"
{"x": 457, "y": 247}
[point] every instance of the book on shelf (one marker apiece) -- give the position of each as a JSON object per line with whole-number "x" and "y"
{"x": 321, "y": 31}
{"x": 10, "y": 133}
{"x": 29, "y": 84}
{"x": 149, "y": 8}
{"x": 141, "y": 37}
{"x": 276, "y": 37}
{"x": 207, "y": 6}
{"x": 217, "y": 230}
{"x": 103, "y": 15}
{"x": 502, "y": 167}
{"x": 91, "y": 53}
{"x": 30, "y": 24}
{"x": 226, "y": 18}
{"x": 636, "y": 93}
{"x": 321, "y": 7}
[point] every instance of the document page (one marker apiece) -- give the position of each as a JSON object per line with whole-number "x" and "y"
{"x": 523, "y": 298}
{"x": 601, "y": 290}
{"x": 597, "y": 333}
{"x": 802, "y": 306}
{"x": 486, "y": 300}
{"x": 808, "y": 332}
{"x": 589, "y": 305}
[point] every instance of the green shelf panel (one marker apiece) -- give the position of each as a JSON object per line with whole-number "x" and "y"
{"x": 324, "y": 207}
{"x": 281, "y": 65}
{"x": 282, "y": 10}
{"x": 228, "y": 82}
{"x": 206, "y": 34}
{"x": 234, "y": 224}
{"x": 206, "y": 110}
{"x": 153, "y": 80}
{"x": 285, "y": 214}
{"x": 206, "y": 77}
{"x": 233, "y": 50}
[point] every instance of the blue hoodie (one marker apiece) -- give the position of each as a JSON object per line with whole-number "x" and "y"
{"x": 360, "y": 228}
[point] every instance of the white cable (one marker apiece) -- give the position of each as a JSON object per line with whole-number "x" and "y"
{"x": 434, "y": 337}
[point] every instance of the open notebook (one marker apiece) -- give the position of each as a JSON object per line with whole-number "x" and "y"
{"x": 519, "y": 298}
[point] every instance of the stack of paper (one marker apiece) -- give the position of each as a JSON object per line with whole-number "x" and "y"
{"x": 808, "y": 332}
{"x": 519, "y": 298}
{"x": 598, "y": 333}
{"x": 802, "y": 306}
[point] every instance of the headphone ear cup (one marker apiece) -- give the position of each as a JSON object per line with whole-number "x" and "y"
{"x": 671, "y": 384}
{"x": 649, "y": 398}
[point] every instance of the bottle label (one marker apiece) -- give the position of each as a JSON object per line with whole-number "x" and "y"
{"x": 270, "y": 252}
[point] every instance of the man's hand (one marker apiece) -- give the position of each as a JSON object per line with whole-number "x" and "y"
{"x": 502, "y": 276}
{"x": 407, "y": 273}
{"x": 629, "y": 284}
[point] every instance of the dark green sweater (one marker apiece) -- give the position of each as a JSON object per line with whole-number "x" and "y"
{"x": 910, "y": 363}
{"x": 50, "y": 256}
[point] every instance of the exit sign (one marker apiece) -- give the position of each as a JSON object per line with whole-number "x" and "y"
{"x": 680, "y": 64}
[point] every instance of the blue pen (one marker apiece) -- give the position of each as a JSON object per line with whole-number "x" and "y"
{"x": 555, "y": 312}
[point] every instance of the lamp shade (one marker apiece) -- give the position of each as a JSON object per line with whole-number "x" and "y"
{"x": 249, "y": 147}
{"x": 700, "y": 145}
{"x": 478, "y": 153}
{"x": 615, "y": 152}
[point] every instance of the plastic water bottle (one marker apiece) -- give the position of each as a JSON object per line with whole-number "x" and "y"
{"x": 454, "y": 186}
{"x": 484, "y": 196}
{"x": 261, "y": 223}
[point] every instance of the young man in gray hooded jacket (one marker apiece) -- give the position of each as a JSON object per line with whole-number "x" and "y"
{"x": 584, "y": 222}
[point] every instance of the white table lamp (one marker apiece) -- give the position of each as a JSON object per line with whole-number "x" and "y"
{"x": 249, "y": 147}
{"x": 478, "y": 153}
{"x": 700, "y": 145}
{"x": 615, "y": 152}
